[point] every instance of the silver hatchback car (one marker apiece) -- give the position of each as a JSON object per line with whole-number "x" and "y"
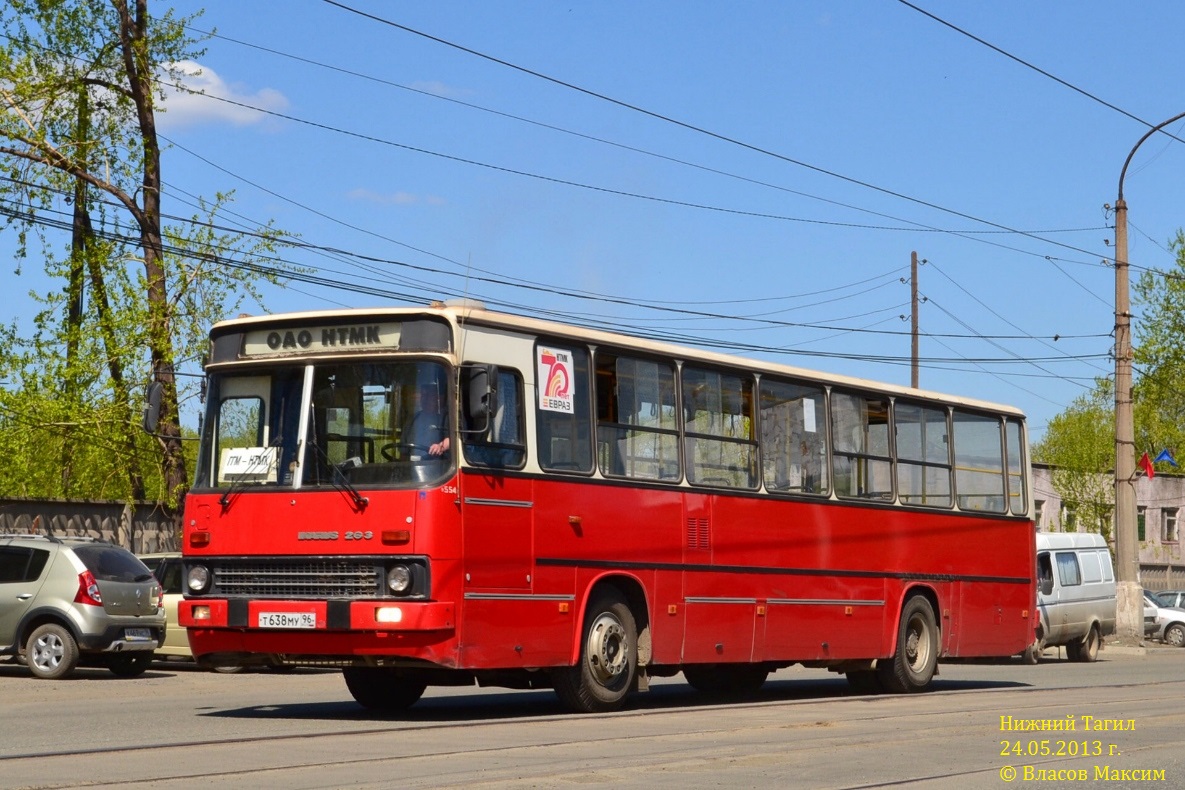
{"x": 69, "y": 600}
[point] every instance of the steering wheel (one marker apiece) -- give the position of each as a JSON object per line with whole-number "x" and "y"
{"x": 389, "y": 451}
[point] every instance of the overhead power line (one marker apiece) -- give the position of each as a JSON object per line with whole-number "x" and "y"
{"x": 1037, "y": 69}
{"x": 694, "y": 128}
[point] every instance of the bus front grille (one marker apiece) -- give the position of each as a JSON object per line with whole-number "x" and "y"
{"x": 299, "y": 578}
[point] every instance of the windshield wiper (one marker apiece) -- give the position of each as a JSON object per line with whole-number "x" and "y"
{"x": 337, "y": 478}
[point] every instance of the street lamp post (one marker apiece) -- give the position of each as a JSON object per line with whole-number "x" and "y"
{"x": 1130, "y": 594}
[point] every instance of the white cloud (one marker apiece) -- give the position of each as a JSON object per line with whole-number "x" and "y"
{"x": 438, "y": 88}
{"x": 393, "y": 198}
{"x": 185, "y": 108}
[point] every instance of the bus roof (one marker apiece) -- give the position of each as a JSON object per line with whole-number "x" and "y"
{"x": 470, "y": 313}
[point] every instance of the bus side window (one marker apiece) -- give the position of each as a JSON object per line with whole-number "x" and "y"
{"x": 563, "y": 415}
{"x": 1014, "y": 440}
{"x": 860, "y": 446}
{"x": 503, "y": 445}
{"x": 923, "y": 454}
{"x": 979, "y": 462}
{"x": 720, "y": 448}
{"x": 637, "y": 421}
{"x": 793, "y": 441}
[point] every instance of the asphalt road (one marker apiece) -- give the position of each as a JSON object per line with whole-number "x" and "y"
{"x": 178, "y": 727}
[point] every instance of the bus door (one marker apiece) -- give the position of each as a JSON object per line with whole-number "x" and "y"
{"x": 497, "y": 507}
{"x": 497, "y": 514}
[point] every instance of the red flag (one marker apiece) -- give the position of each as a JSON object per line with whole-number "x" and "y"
{"x": 1146, "y": 465}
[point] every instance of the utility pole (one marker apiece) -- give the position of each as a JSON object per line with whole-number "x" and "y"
{"x": 1129, "y": 602}
{"x": 1129, "y": 609}
{"x": 913, "y": 303}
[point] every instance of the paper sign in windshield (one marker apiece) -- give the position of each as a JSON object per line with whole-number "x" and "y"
{"x": 248, "y": 464}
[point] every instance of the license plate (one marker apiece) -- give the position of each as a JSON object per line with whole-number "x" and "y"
{"x": 137, "y": 634}
{"x": 287, "y": 620}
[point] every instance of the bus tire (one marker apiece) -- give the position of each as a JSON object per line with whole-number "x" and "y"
{"x": 605, "y": 673}
{"x": 916, "y": 656}
{"x": 375, "y": 688}
{"x": 726, "y": 680}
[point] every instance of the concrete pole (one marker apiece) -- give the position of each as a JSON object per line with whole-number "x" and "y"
{"x": 1129, "y": 605}
{"x": 1129, "y": 614}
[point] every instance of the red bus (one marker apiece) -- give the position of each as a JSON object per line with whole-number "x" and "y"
{"x": 592, "y": 511}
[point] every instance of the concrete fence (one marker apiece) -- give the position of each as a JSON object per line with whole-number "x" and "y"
{"x": 142, "y": 527}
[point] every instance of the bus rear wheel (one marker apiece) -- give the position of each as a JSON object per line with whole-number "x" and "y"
{"x": 380, "y": 689}
{"x": 726, "y": 680}
{"x": 916, "y": 658}
{"x": 604, "y": 675}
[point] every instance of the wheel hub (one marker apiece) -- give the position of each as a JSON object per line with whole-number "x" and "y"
{"x": 607, "y": 654}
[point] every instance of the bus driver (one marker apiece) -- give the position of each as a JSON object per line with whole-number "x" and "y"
{"x": 427, "y": 430}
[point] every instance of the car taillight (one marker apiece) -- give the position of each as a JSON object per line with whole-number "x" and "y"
{"x": 88, "y": 590}
{"x": 160, "y": 597}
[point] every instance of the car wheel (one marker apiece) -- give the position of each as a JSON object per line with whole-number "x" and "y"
{"x": 1088, "y": 649}
{"x": 1175, "y": 635}
{"x": 229, "y": 670}
{"x": 129, "y": 665}
{"x": 51, "y": 652}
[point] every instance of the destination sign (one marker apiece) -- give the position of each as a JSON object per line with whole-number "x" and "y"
{"x": 322, "y": 339}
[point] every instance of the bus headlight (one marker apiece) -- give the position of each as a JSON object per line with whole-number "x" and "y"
{"x": 198, "y": 579}
{"x": 399, "y": 579}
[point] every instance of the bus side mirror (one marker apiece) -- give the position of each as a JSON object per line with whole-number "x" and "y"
{"x": 479, "y": 394}
{"x": 152, "y": 397}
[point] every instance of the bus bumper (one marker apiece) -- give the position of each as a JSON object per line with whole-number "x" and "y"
{"x": 290, "y": 616}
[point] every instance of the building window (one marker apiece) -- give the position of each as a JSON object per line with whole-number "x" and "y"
{"x": 1069, "y": 518}
{"x": 1039, "y": 512}
{"x": 1141, "y": 523}
{"x": 1168, "y": 525}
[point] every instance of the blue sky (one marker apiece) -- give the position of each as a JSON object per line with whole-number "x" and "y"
{"x": 750, "y": 174}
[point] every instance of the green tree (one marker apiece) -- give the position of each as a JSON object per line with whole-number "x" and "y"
{"x": 1159, "y": 355}
{"x": 80, "y": 83}
{"x": 1080, "y": 442}
{"x": 1079, "y": 445}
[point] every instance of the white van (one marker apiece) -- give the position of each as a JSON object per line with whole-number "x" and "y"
{"x": 1075, "y": 593}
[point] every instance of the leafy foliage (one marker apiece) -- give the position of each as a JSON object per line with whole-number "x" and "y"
{"x": 1080, "y": 442}
{"x": 80, "y": 184}
{"x": 1079, "y": 445}
{"x": 1159, "y": 356}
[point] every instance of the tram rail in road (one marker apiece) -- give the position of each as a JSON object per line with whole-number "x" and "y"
{"x": 177, "y": 726}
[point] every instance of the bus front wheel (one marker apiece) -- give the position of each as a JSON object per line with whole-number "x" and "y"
{"x": 375, "y": 688}
{"x": 916, "y": 658}
{"x": 604, "y": 675}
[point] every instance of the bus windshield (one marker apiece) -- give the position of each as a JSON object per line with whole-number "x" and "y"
{"x": 299, "y": 426}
